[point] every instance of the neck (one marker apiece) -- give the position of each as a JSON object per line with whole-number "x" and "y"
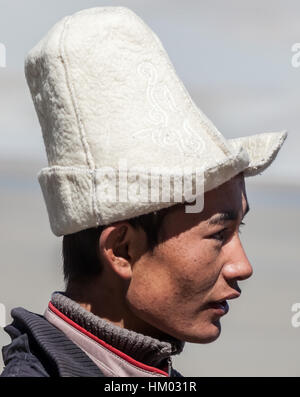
{"x": 91, "y": 295}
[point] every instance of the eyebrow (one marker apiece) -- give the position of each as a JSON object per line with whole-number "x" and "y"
{"x": 225, "y": 216}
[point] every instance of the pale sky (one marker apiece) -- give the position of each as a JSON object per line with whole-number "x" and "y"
{"x": 234, "y": 57}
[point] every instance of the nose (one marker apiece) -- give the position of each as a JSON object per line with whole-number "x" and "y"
{"x": 237, "y": 265}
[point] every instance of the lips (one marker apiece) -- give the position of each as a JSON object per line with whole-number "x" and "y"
{"x": 221, "y": 306}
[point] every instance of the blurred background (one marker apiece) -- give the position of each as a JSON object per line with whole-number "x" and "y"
{"x": 235, "y": 59}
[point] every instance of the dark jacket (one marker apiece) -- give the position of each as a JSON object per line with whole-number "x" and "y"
{"x": 41, "y": 350}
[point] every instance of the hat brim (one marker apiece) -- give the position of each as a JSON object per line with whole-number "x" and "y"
{"x": 262, "y": 150}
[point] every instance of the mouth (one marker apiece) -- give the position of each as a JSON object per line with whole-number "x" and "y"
{"x": 220, "y": 308}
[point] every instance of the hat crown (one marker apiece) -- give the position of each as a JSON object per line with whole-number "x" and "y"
{"x": 104, "y": 89}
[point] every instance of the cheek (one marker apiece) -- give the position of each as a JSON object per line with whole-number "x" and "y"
{"x": 199, "y": 267}
{"x": 169, "y": 289}
{"x": 177, "y": 273}
{"x": 151, "y": 284}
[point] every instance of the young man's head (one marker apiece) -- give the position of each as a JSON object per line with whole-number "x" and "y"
{"x": 115, "y": 118}
{"x": 166, "y": 276}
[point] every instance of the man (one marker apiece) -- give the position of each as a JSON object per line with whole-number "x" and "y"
{"x": 143, "y": 273}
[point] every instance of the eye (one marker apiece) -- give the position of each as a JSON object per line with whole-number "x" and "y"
{"x": 220, "y": 235}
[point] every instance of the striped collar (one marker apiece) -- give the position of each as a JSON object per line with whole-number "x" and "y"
{"x": 143, "y": 348}
{"x": 110, "y": 361}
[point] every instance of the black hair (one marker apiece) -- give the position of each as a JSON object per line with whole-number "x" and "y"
{"x": 80, "y": 250}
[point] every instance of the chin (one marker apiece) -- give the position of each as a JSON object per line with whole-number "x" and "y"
{"x": 207, "y": 335}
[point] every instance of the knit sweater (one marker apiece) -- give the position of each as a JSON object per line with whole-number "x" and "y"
{"x": 143, "y": 348}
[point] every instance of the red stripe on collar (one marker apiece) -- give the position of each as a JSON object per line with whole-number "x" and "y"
{"x": 106, "y": 345}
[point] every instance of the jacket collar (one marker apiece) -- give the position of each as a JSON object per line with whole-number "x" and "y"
{"x": 108, "y": 359}
{"x": 59, "y": 355}
{"x": 143, "y": 348}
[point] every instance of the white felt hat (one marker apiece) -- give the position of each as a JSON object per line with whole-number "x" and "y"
{"x": 105, "y": 91}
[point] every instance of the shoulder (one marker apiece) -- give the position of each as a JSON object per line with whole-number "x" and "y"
{"x": 23, "y": 357}
{"x": 20, "y": 361}
{"x": 38, "y": 348}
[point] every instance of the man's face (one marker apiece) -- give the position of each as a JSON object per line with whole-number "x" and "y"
{"x": 198, "y": 261}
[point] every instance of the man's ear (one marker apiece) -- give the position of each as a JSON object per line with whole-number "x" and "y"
{"x": 119, "y": 247}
